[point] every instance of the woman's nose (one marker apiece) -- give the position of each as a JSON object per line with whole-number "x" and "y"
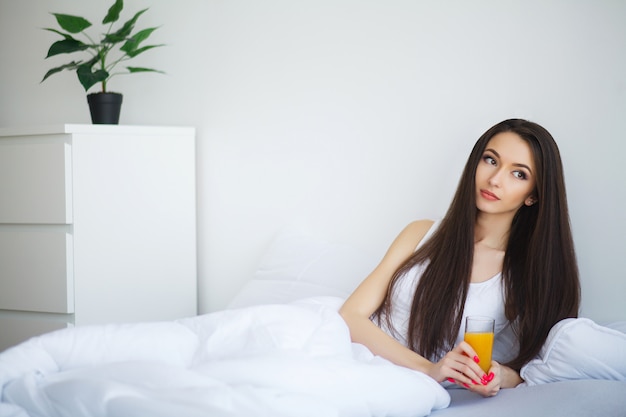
{"x": 495, "y": 178}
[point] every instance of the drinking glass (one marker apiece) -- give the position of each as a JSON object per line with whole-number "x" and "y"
{"x": 479, "y": 335}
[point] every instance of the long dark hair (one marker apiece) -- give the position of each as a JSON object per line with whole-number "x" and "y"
{"x": 540, "y": 272}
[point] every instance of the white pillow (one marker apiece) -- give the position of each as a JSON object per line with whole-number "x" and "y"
{"x": 579, "y": 349}
{"x": 297, "y": 266}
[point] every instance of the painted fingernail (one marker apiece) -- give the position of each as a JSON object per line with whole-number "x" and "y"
{"x": 474, "y": 382}
{"x": 484, "y": 380}
{"x": 476, "y": 359}
{"x": 490, "y": 376}
{"x": 465, "y": 385}
{"x": 451, "y": 380}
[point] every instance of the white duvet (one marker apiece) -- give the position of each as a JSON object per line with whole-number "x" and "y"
{"x": 273, "y": 360}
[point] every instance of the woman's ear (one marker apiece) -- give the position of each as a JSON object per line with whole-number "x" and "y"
{"x": 530, "y": 200}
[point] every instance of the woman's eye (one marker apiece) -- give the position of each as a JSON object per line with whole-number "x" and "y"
{"x": 488, "y": 159}
{"x": 520, "y": 175}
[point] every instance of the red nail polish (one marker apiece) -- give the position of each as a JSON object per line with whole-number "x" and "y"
{"x": 490, "y": 376}
{"x": 465, "y": 385}
{"x": 451, "y": 380}
{"x": 476, "y": 359}
{"x": 474, "y": 382}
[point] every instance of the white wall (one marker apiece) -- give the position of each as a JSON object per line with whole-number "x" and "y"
{"x": 353, "y": 117}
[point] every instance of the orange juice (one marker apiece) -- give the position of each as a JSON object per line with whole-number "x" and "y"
{"x": 483, "y": 345}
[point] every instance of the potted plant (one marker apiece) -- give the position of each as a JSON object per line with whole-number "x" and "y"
{"x": 103, "y": 60}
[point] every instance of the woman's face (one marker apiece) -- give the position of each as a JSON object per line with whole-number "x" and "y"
{"x": 505, "y": 176}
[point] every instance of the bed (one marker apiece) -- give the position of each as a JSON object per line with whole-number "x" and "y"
{"x": 281, "y": 349}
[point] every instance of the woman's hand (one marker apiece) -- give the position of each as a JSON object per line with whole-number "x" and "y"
{"x": 460, "y": 365}
{"x": 498, "y": 377}
{"x": 490, "y": 386}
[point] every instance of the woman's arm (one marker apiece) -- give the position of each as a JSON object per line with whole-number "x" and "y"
{"x": 510, "y": 377}
{"x": 368, "y": 296}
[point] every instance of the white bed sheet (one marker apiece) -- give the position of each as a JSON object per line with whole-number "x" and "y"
{"x": 271, "y": 360}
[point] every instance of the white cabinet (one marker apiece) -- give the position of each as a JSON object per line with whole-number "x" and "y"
{"x": 97, "y": 225}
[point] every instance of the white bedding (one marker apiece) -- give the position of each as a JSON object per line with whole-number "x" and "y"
{"x": 271, "y": 360}
{"x": 273, "y": 356}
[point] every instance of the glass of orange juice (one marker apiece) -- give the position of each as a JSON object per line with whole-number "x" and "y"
{"x": 479, "y": 335}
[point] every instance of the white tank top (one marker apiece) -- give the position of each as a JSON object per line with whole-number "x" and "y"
{"x": 483, "y": 299}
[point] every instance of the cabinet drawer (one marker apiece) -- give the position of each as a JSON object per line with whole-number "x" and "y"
{"x": 35, "y": 182}
{"x": 36, "y": 269}
{"x": 16, "y": 329}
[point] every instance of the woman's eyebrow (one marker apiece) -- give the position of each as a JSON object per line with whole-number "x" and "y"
{"x": 524, "y": 166}
{"x": 493, "y": 151}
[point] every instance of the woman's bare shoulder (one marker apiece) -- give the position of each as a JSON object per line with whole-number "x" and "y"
{"x": 412, "y": 235}
{"x": 416, "y": 230}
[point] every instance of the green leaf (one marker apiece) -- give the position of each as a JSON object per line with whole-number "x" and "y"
{"x": 133, "y": 43}
{"x": 124, "y": 32}
{"x": 142, "y": 35}
{"x": 140, "y": 69}
{"x": 114, "y": 12}
{"x": 136, "y": 52}
{"x": 72, "y": 24}
{"x": 71, "y": 66}
{"x": 66, "y": 46}
{"x": 89, "y": 78}
{"x": 65, "y": 35}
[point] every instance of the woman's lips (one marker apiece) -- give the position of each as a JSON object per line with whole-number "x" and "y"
{"x": 488, "y": 195}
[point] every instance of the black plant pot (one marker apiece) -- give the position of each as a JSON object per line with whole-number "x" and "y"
{"x": 105, "y": 108}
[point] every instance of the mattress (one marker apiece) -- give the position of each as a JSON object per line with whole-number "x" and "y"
{"x": 575, "y": 398}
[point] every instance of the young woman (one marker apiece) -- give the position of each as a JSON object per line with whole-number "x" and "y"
{"x": 504, "y": 249}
